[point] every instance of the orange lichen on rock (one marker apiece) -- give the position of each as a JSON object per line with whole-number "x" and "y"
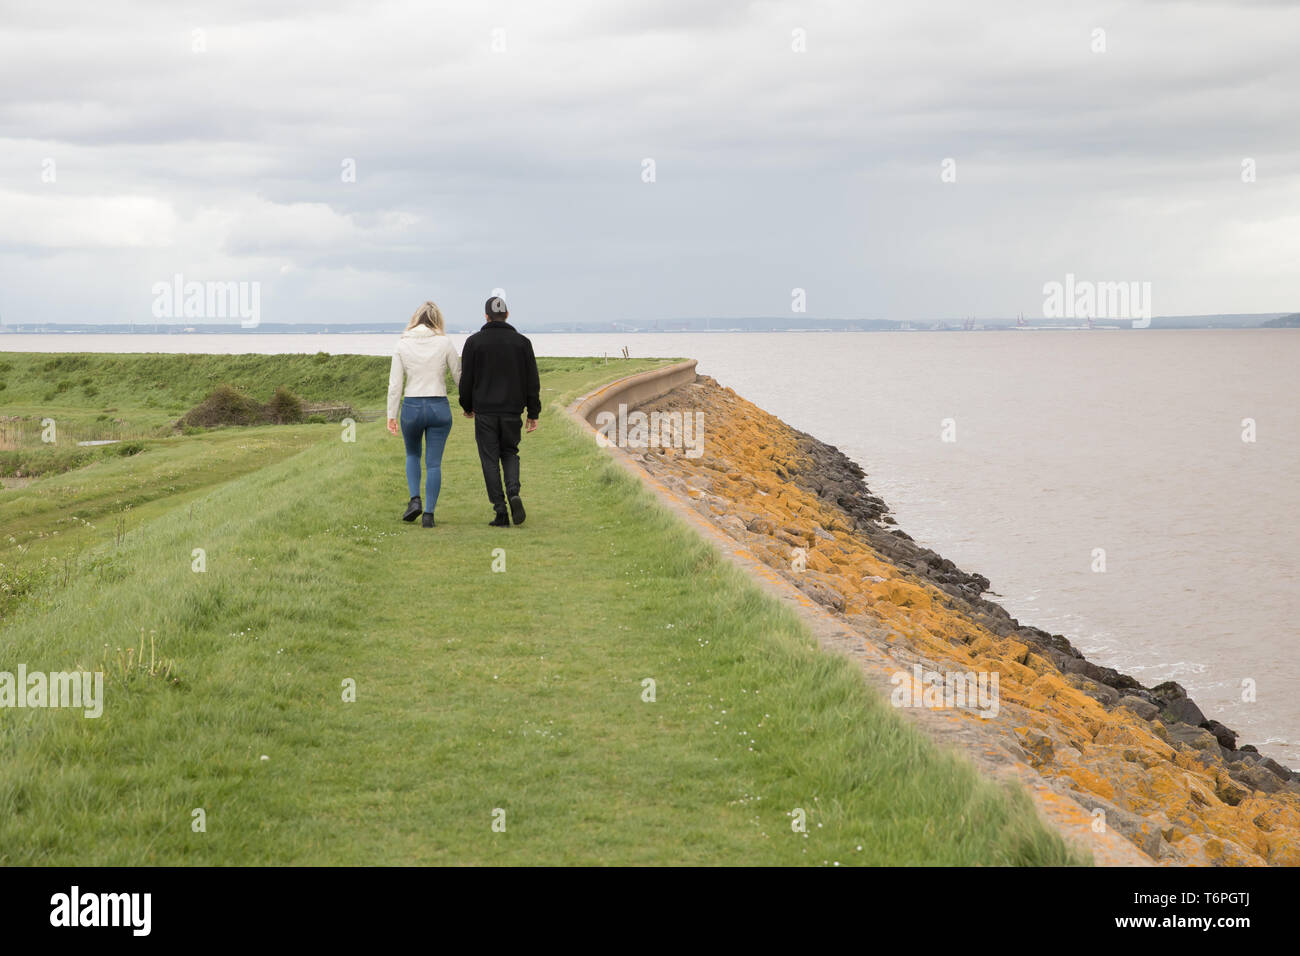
{"x": 801, "y": 508}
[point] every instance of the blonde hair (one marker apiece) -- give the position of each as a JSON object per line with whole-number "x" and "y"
{"x": 428, "y": 314}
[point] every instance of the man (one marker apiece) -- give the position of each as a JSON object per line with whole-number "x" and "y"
{"x": 498, "y": 380}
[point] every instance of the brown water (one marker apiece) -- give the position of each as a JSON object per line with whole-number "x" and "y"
{"x": 1128, "y": 441}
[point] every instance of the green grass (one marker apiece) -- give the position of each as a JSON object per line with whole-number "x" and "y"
{"x": 476, "y": 690}
{"x": 38, "y": 462}
{"x": 177, "y": 382}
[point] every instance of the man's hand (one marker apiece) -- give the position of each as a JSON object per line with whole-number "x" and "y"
{"x": 392, "y": 426}
{"x": 469, "y": 414}
{"x": 532, "y": 425}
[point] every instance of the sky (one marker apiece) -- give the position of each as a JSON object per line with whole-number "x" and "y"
{"x": 640, "y": 160}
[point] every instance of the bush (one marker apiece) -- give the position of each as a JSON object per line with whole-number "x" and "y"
{"x": 225, "y": 406}
{"x": 284, "y": 407}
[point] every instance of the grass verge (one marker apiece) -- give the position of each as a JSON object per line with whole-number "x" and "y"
{"x": 481, "y": 694}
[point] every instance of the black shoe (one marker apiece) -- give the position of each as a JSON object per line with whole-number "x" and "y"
{"x": 427, "y": 520}
{"x": 517, "y": 509}
{"x": 500, "y": 521}
{"x": 413, "y": 509}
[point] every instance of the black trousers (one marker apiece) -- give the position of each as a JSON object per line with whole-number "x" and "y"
{"x": 498, "y": 451}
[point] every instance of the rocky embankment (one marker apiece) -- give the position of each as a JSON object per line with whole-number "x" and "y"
{"x": 1176, "y": 784}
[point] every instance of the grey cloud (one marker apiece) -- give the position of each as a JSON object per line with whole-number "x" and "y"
{"x": 775, "y": 169}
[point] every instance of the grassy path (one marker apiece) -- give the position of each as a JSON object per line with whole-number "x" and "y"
{"x": 476, "y": 690}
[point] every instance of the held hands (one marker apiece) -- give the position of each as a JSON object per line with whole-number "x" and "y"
{"x": 392, "y": 426}
{"x": 532, "y": 425}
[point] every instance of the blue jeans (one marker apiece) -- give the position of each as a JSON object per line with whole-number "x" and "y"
{"x": 427, "y": 419}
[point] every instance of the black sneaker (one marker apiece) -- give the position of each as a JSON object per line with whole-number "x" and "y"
{"x": 500, "y": 521}
{"x": 427, "y": 520}
{"x": 413, "y": 509}
{"x": 517, "y": 509}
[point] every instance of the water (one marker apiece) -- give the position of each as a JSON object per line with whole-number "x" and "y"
{"x": 1067, "y": 442}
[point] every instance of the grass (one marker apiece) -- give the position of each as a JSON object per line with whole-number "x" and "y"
{"x": 177, "y": 382}
{"x": 38, "y": 462}
{"x": 477, "y": 691}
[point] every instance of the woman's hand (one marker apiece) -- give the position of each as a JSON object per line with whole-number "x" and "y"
{"x": 392, "y": 426}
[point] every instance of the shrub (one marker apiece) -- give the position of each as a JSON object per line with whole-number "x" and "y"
{"x": 284, "y": 407}
{"x": 225, "y": 406}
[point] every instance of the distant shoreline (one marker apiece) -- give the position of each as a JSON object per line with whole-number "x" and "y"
{"x": 1159, "y": 323}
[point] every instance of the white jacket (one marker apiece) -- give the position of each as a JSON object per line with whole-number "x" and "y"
{"x": 423, "y": 358}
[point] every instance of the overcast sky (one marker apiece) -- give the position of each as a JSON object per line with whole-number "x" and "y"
{"x": 523, "y": 168}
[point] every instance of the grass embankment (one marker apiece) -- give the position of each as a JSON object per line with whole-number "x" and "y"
{"x": 88, "y": 492}
{"x": 475, "y": 690}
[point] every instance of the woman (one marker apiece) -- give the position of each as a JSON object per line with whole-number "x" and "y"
{"x": 424, "y": 355}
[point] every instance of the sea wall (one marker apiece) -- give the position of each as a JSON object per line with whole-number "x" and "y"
{"x": 1100, "y": 752}
{"x": 634, "y": 390}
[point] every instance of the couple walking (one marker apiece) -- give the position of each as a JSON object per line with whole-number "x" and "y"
{"x": 497, "y": 378}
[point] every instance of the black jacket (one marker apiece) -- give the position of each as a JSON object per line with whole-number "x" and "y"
{"x": 498, "y": 373}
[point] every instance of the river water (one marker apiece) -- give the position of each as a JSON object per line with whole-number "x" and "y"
{"x": 1074, "y": 451}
